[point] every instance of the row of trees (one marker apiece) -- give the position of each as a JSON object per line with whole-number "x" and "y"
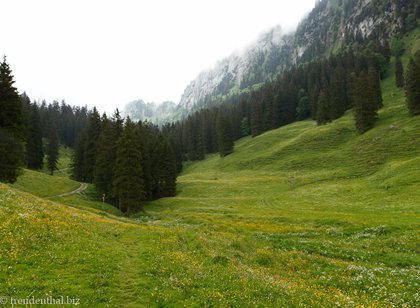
{"x": 11, "y": 126}
{"x": 128, "y": 162}
{"x": 322, "y": 90}
{"x": 22, "y": 131}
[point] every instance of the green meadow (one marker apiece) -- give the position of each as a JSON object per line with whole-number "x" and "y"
{"x": 305, "y": 215}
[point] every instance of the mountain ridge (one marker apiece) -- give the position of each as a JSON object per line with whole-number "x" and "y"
{"x": 331, "y": 25}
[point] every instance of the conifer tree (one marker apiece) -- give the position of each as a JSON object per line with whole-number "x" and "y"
{"x": 106, "y": 154}
{"x": 365, "y": 105}
{"x": 93, "y": 131}
{"x": 11, "y": 156}
{"x": 10, "y": 104}
{"x": 149, "y": 152}
{"x": 245, "y": 129}
{"x": 169, "y": 167}
{"x": 337, "y": 93}
{"x": 322, "y": 114}
{"x": 224, "y": 135}
{"x": 256, "y": 116}
{"x": 77, "y": 158}
{"x": 399, "y": 73}
{"x": 128, "y": 179}
{"x": 374, "y": 80}
{"x": 52, "y": 148}
{"x": 34, "y": 149}
{"x": 412, "y": 85}
{"x": 11, "y": 126}
{"x": 303, "y": 108}
{"x": 165, "y": 170}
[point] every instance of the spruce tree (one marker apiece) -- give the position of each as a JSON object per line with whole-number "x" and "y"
{"x": 10, "y": 104}
{"x": 375, "y": 91}
{"x": 34, "y": 149}
{"x": 337, "y": 94}
{"x": 168, "y": 166}
{"x": 52, "y": 148}
{"x": 164, "y": 171}
{"x": 149, "y": 152}
{"x": 412, "y": 85}
{"x": 106, "y": 154}
{"x": 365, "y": 105}
{"x": 128, "y": 179}
{"x": 224, "y": 135}
{"x": 11, "y": 156}
{"x": 322, "y": 113}
{"x": 11, "y": 127}
{"x": 303, "y": 109}
{"x": 256, "y": 116}
{"x": 245, "y": 129}
{"x": 399, "y": 73}
{"x": 93, "y": 131}
{"x": 78, "y": 172}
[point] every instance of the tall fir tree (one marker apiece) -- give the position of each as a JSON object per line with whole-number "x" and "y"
{"x": 52, "y": 148}
{"x": 106, "y": 154}
{"x": 412, "y": 85}
{"x": 323, "y": 109}
{"x": 399, "y": 73}
{"x": 78, "y": 156}
{"x": 303, "y": 109}
{"x": 11, "y": 127}
{"x": 374, "y": 80}
{"x": 164, "y": 170}
{"x": 256, "y": 116}
{"x": 128, "y": 179}
{"x": 365, "y": 105}
{"x": 337, "y": 93}
{"x": 245, "y": 127}
{"x": 10, "y": 104}
{"x": 93, "y": 131}
{"x": 34, "y": 148}
{"x": 224, "y": 135}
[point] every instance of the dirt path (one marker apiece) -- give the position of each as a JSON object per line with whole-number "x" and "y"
{"x": 82, "y": 187}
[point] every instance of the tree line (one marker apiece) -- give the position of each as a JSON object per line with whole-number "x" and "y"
{"x": 128, "y": 162}
{"x": 322, "y": 90}
{"x": 23, "y": 126}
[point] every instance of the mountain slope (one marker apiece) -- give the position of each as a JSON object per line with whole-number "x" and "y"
{"x": 302, "y": 215}
{"x": 330, "y": 25}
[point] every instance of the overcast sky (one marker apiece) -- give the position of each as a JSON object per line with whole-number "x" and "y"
{"x": 107, "y": 53}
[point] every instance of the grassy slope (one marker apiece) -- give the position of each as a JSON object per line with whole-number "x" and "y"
{"x": 298, "y": 216}
{"x": 302, "y": 215}
{"x": 43, "y": 184}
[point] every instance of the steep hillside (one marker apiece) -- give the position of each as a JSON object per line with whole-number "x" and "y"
{"x": 330, "y": 25}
